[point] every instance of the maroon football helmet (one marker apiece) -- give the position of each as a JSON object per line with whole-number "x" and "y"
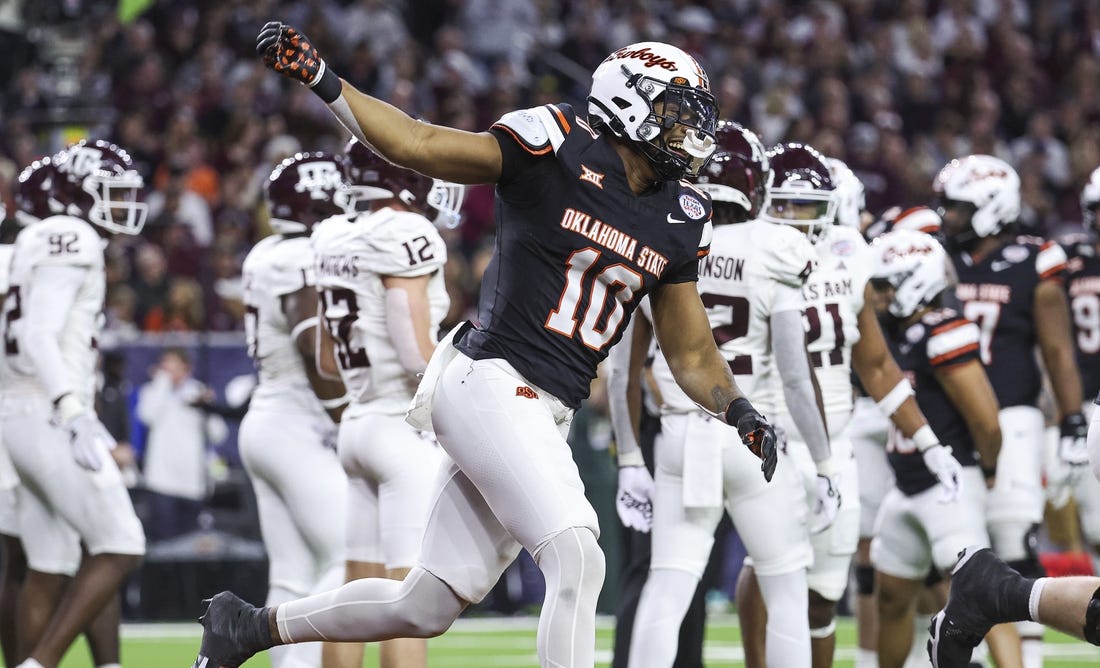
{"x": 373, "y": 177}
{"x": 739, "y": 170}
{"x": 34, "y": 198}
{"x": 96, "y": 180}
{"x": 305, "y": 189}
{"x": 801, "y": 192}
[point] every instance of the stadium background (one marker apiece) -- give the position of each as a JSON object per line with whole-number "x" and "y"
{"x": 895, "y": 88}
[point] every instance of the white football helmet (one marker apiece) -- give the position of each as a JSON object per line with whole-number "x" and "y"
{"x": 96, "y": 180}
{"x": 643, "y": 90}
{"x": 919, "y": 218}
{"x": 850, "y": 193}
{"x": 914, "y": 264}
{"x": 1090, "y": 198}
{"x": 990, "y": 185}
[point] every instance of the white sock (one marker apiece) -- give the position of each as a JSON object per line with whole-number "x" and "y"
{"x": 788, "y": 631}
{"x": 661, "y": 609}
{"x": 1033, "y": 600}
{"x": 30, "y": 663}
{"x": 109, "y": 665}
{"x": 1031, "y": 643}
{"x": 866, "y": 658}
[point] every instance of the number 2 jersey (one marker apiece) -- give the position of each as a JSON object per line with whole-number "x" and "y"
{"x": 351, "y": 255}
{"x": 754, "y": 270}
{"x": 59, "y": 241}
{"x": 1083, "y": 288}
{"x": 575, "y": 250}
{"x": 940, "y": 340}
{"x": 997, "y": 293}
{"x": 276, "y": 267}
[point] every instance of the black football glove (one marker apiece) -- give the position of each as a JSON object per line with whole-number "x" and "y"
{"x": 291, "y": 54}
{"x": 759, "y": 436}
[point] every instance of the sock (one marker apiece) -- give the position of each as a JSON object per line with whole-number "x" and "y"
{"x": 866, "y": 658}
{"x": 786, "y": 598}
{"x": 1014, "y": 598}
{"x": 1033, "y": 599}
{"x": 30, "y": 663}
{"x": 109, "y": 665}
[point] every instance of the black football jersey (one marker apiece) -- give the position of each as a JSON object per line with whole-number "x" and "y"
{"x": 941, "y": 340}
{"x": 998, "y": 293}
{"x": 1083, "y": 288}
{"x": 575, "y": 250}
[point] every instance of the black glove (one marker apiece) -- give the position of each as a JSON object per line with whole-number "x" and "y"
{"x": 1072, "y": 447}
{"x": 756, "y": 433}
{"x": 291, "y": 54}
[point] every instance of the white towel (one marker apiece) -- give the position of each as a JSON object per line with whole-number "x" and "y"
{"x": 419, "y": 414}
{"x": 702, "y": 463}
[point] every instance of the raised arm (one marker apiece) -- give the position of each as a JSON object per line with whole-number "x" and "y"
{"x": 441, "y": 152}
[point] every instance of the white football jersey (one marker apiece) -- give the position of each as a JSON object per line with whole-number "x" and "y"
{"x": 833, "y": 300}
{"x": 275, "y": 267}
{"x": 352, "y": 255}
{"x": 741, "y": 285}
{"x": 55, "y": 241}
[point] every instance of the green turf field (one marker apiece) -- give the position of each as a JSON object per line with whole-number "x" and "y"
{"x": 490, "y": 643}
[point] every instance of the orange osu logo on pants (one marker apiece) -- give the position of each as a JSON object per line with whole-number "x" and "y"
{"x": 524, "y": 391}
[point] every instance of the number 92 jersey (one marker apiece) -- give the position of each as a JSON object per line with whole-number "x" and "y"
{"x": 1083, "y": 287}
{"x": 62, "y": 241}
{"x": 576, "y": 249}
{"x": 755, "y": 269}
{"x": 352, "y": 254}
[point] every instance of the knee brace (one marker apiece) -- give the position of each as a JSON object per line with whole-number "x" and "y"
{"x": 865, "y": 580}
{"x": 1092, "y": 619}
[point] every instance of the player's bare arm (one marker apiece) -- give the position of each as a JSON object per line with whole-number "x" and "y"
{"x": 409, "y": 320}
{"x": 967, "y": 385}
{"x": 300, "y": 308}
{"x": 1056, "y": 345}
{"x": 683, "y": 331}
{"x": 441, "y": 152}
{"x": 325, "y": 362}
{"x": 878, "y": 372}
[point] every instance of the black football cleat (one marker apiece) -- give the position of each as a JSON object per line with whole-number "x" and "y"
{"x": 232, "y": 631}
{"x": 984, "y": 591}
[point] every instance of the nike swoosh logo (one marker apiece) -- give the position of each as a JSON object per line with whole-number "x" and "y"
{"x": 675, "y": 220}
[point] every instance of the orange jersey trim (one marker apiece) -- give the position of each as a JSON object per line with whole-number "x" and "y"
{"x": 561, "y": 119}
{"x": 940, "y": 359}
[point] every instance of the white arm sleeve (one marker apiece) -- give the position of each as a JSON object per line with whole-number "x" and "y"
{"x": 789, "y": 347}
{"x": 399, "y": 326}
{"x": 52, "y": 295}
{"x": 618, "y": 377}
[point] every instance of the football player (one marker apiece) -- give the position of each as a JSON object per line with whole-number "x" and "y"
{"x": 58, "y": 446}
{"x": 868, "y": 430}
{"x": 750, "y": 283}
{"x": 843, "y": 336}
{"x": 380, "y": 278}
{"x": 1083, "y": 288}
{"x": 1012, "y": 288}
{"x": 591, "y": 216}
{"x": 286, "y": 437}
{"x": 918, "y": 527}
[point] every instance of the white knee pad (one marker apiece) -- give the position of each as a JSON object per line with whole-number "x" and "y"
{"x": 573, "y": 559}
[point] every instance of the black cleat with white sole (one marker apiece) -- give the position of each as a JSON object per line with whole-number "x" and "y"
{"x": 984, "y": 591}
{"x": 232, "y": 631}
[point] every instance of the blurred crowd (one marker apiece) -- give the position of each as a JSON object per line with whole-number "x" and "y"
{"x": 894, "y": 87}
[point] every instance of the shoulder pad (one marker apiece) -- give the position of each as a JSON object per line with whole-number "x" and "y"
{"x": 402, "y": 243}
{"x": 786, "y": 254}
{"x": 281, "y": 266}
{"x": 1051, "y": 260}
{"x": 950, "y": 339}
{"x": 539, "y": 129}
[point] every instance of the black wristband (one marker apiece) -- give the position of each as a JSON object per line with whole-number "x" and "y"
{"x": 737, "y": 409}
{"x": 328, "y": 87}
